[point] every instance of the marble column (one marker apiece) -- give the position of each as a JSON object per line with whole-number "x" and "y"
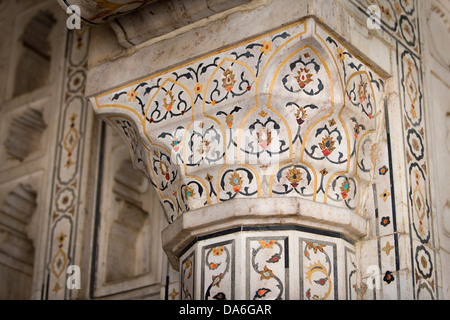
{"x": 263, "y": 155}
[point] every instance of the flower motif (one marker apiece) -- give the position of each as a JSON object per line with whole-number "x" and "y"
{"x": 198, "y": 89}
{"x": 65, "y": 199}
{"x": 385, "y": 221}
{"x": 340, "y": 55}
{"x": 228, "y": 80}
{"x": 304, "y": 77}
{"x": 332, "y": 122}
{"x": 327, "y": 145}
{"x": 168, "y": 103}
{"x": 383, "y": 170}
{"x": 294, "y": 176}
{"x": 262, "y": 114}
{"x": 131, "y": 95}
{"x": 266, "y": 273}
{"x": 61, "y": 237}
{"x": 216, "y": 280}
{"x": 264, "y": 136}
{"x": 345, "y": 188}
{"x": 175, "y": 144}
{"x": 236, "y": 181}
{"x": 385, "y": 195}
{"x": 300, "y": 116}
{"x": 315, "y": 246}
{"x": 189, "y": 192}
{"x": 388, "y": 277}
{"x": 217, "y": 251}
{"x": 164, "y": 170}
{"x": 362, "y": 91}
{"x": 357, "y": 127}
{"x": 424, "y": 262}
{"x": 266, "y": 244}
{"x": 204, "y": 146}
{"x": 388, "y": 247}
{"x": 229, "y": 120}
{"x": 266, "y": 47}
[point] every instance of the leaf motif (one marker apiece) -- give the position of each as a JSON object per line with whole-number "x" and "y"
{"x": 252, "y": 45}
{"x": 321, "y": 281}
{"x": 284, "y": 35}
{"x": 220, "y": 296}
{"x": 164, "y": 134}
{"x": 330, "y": 40}
{"x": 235, "y": 109}
{"x": 260, "y": 293}
{"x": 274, "y": 259}
{"x": 117, "y": 96}
{"x": 353, "y": 66}
{"x": 143, "y": 84}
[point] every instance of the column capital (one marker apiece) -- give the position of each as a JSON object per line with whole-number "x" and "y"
{"x": 289, "y": 114}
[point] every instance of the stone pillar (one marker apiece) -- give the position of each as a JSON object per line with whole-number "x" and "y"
{"x": 263, "y": 154}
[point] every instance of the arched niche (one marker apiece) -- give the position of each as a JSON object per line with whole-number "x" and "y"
{"x": 130, "y": 220}
{"x": 17, "y": 247}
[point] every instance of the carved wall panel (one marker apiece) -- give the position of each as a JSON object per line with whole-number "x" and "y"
{"x": 401, "y": 20}
{"x": 25, "y": 134}
{"x": 66, "y": 184}
{"x": 128, "y": 245}
{"x": 18, "y": 239}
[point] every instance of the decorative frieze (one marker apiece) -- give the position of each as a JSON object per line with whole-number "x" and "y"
{"x": 400, "y": 19}
{"x": 277, "y": 263}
